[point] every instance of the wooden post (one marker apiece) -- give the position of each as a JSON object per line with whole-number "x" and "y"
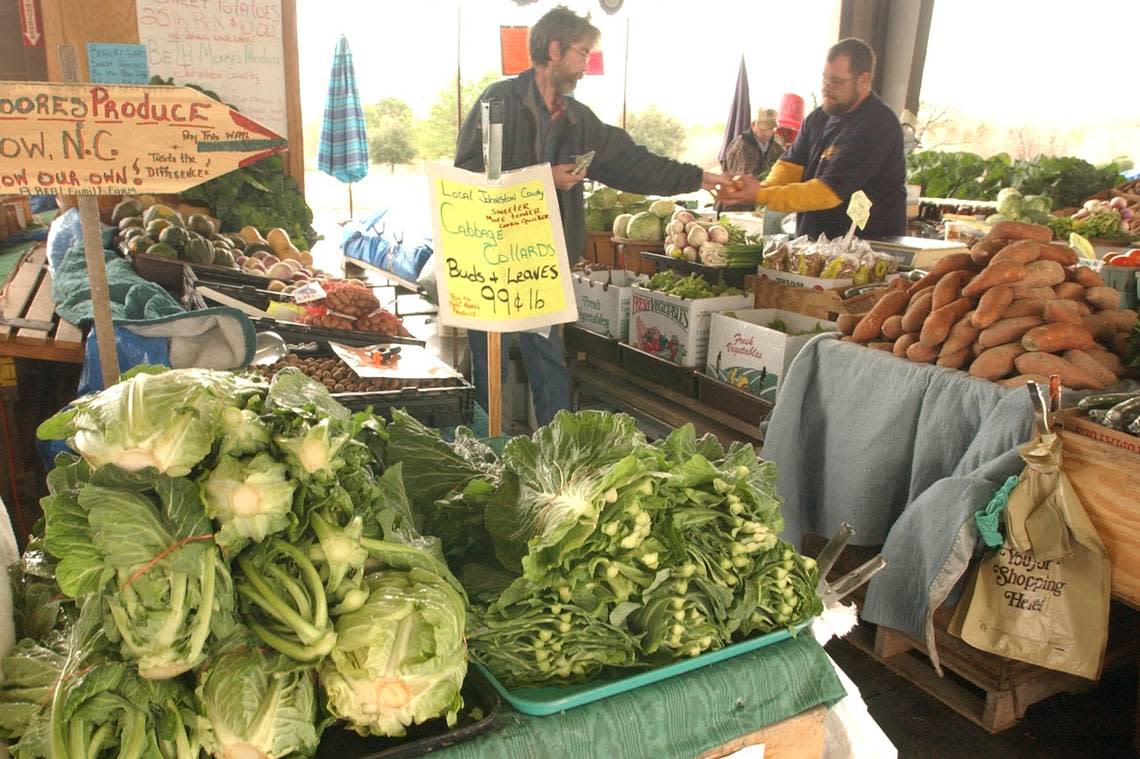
{"x": 93, "y": 252}
{"x": 494, "y": 384}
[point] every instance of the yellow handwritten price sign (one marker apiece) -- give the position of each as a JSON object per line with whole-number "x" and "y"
{"x": 859, "y": 209}
{"x": 94, "y": 139}
{"x": 501, "y": 263}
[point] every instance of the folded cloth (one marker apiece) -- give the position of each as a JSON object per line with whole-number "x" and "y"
{"x": 904, "y": 452}
{"x": 214, "y": 338}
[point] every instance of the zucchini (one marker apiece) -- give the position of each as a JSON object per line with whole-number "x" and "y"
{"x": 1122, "y": 414}
{"x": 1104, "y": 400}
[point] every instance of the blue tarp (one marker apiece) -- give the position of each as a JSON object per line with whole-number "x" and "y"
{"x": 371, "y": 242}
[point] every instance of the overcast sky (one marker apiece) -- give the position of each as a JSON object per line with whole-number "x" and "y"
{"x": 1016, "y": 61}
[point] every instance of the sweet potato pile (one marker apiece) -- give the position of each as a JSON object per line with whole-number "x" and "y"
{"x": 1016, "y": 307}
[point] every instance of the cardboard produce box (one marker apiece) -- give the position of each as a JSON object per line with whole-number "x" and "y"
{"x": 676, "y": 329}
{"x": 603, "y": 301}
{"x": 751, "y": 356}
{"x": 808, "y": 283}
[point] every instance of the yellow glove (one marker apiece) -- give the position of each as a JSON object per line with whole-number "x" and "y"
{"x": 812, "y": 195}
{"x": 784, "y": 172}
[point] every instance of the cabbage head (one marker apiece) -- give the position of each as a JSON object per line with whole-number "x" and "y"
{"x": 1009, "y": 202}
{"x": 166, "y": 420}
{"x": 621, "y": 224}
{"x": 399, "y": 659}
{"x": 662, "y": 209}
{"x": 604, "y": 198}
{"x": 644, "y": 227}
{"x": 250, "y": 706}
{"x": 250, "y": 499}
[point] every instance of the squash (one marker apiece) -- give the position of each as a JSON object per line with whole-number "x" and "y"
{"x": 278, "y": 239}
{"x": 250, "y": 234}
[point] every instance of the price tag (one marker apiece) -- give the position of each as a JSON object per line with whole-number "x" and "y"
{"x": 859, "y": 209}
{"x": 309, "y": 292}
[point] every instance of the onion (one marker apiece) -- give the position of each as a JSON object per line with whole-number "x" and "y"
{"x": 1081, "y": 214}
{"x": 1126, "y": 214}
{"x": 1118, "y": 203}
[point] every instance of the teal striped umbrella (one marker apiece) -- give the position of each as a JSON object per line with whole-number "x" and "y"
{"x": 343, "y": 152}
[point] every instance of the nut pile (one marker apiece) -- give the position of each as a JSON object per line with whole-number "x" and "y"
{"x": 338, "y": 377}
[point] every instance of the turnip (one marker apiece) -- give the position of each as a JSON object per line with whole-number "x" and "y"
{"x": 698, "y": 236}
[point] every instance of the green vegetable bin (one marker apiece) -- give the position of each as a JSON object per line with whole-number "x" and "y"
{"x": 1123, "y": 280}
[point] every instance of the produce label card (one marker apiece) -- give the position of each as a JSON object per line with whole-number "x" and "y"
{"x": 859, "y": 209}
{"x": 411, "y": 362}
{"x": 501, "y": 262}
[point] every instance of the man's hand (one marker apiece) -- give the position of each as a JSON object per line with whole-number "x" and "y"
{"x": 739, "y": 189}
{"x": 714, "y": 182}
{"x": 564, "y": 176}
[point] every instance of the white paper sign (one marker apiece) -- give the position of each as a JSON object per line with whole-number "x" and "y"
{"x": 233, "y": 47}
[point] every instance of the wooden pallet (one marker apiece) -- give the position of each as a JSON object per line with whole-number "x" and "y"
{"x": 989, "y": 690}
{"x": 29, "y": 326}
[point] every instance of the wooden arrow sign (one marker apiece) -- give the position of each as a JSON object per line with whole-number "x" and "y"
{"x": 95, "y": 139}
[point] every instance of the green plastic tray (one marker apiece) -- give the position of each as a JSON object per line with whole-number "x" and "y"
{"x": 551, "y": 699}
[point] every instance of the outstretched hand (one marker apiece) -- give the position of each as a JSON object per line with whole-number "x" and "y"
{"x": 739, "y": 189}
{"x": 564, "y": 176}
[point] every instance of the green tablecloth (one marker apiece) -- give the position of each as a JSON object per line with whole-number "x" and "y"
{"x": 679, "y": 717}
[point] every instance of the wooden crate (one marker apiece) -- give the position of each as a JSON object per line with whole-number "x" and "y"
{"x": 29, "y": 326}
{"x": 600, "y": 250}
{"x": 629, "y": 255}
{"x": 1103, "y": 467}
{"x": 989, "y": 690}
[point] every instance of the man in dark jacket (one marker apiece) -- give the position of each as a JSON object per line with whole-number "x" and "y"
{"x": 542, "y": 124}
{"x": 853, "y": 141}
{"x": 753, "y": 152}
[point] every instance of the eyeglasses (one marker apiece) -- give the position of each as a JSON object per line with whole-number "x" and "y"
{"x": 835, "y": 81}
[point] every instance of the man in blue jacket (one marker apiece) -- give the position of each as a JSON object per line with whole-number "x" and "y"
{"x": 543, "y": 124}
{"x": 853, "y": 141}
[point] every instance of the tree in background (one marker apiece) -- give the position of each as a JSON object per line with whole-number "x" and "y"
{"x": 657, "y": 131}
{"x": 437, "y": 134}
{"x": 391, "y": 135}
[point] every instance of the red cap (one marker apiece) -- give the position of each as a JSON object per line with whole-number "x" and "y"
{"x": 791, "y": 111}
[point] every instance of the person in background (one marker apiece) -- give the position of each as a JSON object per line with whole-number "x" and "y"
{"x": 542, "y": 123}
{"x": 753, "y": 152}
{"x": 851, "y": 142}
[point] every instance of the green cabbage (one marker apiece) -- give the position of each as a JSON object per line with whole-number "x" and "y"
{"x": 1009, "y": 202}
{"x": 250, "y": 498}
{"x": 644, "y": 227}
{"x": 400, "y": 659}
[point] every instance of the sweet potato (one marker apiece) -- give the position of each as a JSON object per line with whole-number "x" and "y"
{"x": 1016, "y": 230}
{"x": 954, "y": 360}
{"x": 1007, "y": 330}
{"x": 1083, "y": 360}
{"x": 898, "y": 283}
{"x": 1061, "y": 310}
{"x": 948, "y": 288}
{"x": 1120, "y": 343}
{"x": 1025, "y": 307}
{"x": 992, "y": 305}
{"x": 983, "y": 250}
{"x": 1062, "y": 254}
{"x": 996, "y": 362}
{"x": 1125, "y": 319}
{"x": 1000, "y": 273}
{"x": 1087, "y": 277}
{"x": 952, "y": 262}
{"x": 847, "y": 322}
{"x": 1043, "y": 274}
{"x": 921, "y": 354}
{"x": 1104, "y": 298}
{"x": 929, "y": 280}
{"x": 962, "y": 335}
{"x": 871, "y": 325}
{"x": 1033, "y": 293}
{"x": 1102, "y": 326}
{"x": 938, "y": 325}
{"x": 1049, "y": 364}
{"x": 881, "y": 345}
{"x": 847, "y": 339}
{"x": 892, "y": 327}
{"x": 1107, "y": 359}
{"x": 1055, "y": 338}
{"x": 1019, "y": 380}
{"x": 904, "y": 342}
{"x": 916, "y": 313}
{"x": 1082, "y": 308}
{"x": 1020, "y": 251}
{"x": 1070, "y": 291}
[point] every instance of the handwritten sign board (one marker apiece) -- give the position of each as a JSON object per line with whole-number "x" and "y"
{"x": 232, "y": 48}
{"x": 92, "y": 139}
{"x": 112, "y": 63}
{"x": 859, "y": 208}
{"x": 501, "y": 262}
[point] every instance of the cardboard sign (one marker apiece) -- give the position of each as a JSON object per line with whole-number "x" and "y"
{"x": 235, "y": 49}
{"x": 111, "y": 63}
{"x": 501, "y": 262}
{"x": 513, "y": 48}
{"x": 859, "y": 209}
{"x": 93, "y": 139}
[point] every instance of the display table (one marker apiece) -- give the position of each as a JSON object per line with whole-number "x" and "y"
{"x": 31, "y": 328}
{"x": 766, "y": 696}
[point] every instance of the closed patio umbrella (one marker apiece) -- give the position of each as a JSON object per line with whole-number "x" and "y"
{"x": 740, "y": 114}
{"x": 343, "y": 151}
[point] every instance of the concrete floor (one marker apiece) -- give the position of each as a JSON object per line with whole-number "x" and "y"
{"x": 1097, "y": 724}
